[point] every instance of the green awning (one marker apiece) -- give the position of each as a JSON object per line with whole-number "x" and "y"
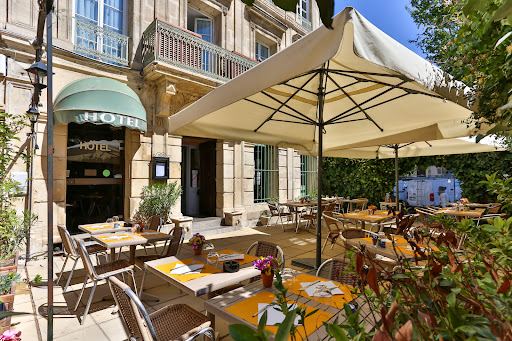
{"x": 100, "y": 101}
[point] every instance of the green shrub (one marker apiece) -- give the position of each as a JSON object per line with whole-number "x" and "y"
{"x": 157, "y": 199}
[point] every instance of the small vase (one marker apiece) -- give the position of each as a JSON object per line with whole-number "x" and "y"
{"x": 267, "y": 279}
{"x": 198, "y": 251}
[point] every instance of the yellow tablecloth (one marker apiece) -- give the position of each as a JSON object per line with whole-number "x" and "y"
{"x": 249, "y": 307}
{"x": 207, "y": 270}
{"x": 247, "y": 258}
{"x": 108, "y": 238}
{"x": 98, "y": 227}
{"x": 336, "y": 301}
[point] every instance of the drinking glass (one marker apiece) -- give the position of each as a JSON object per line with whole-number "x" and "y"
{"x": 115, "y": 218}
{"x": 212, "y": 258}
{"x": 289, "y": 274}
{"x": 209, "y": 246}
{"x": 322, "y": 289}
{"x": 110, "y": 220}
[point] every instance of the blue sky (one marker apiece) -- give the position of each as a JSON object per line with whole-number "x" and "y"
{"x": 388, "y": 15}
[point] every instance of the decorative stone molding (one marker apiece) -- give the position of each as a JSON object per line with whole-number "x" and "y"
{"x": 165, "y": 91}
{"x": 181, "y": 100}
{"x": 224, "y": 10}
{"x": 252, "y": 26}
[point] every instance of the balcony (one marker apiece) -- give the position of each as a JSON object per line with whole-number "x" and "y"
{"x": 306, "y": 24}
{"x": 185, "y": 50}
{"x": 100, "y": 43}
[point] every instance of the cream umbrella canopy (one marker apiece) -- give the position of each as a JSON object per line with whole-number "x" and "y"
{"x": 354, "y": 83}
{"x": 414, "y": 149}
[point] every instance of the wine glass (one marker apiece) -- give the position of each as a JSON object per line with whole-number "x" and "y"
{"x": 115, "y": 218}
{"x": 110, "y": 220}
{"x": 212, "y": 258}
{"x": 288, "y": 273}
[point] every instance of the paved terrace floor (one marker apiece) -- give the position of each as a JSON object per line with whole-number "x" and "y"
{"x": 101, "y": 324}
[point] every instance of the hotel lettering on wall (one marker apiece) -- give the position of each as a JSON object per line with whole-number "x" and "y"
{"x": 110, "y": 118}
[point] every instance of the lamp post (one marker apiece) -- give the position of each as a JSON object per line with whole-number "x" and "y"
{"x": 33, "y": 116}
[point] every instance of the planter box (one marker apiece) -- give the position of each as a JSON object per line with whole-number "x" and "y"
{"x": 265, "y": 220}
{"x": 10, "y": 265}
{"x": 8, "y": 301}
{"x": 233, "y": 218}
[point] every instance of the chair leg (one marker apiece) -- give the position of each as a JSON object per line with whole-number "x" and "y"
{"x": 142, "y": 282}
{"x": 325, "y": 243}
{"x": 133, "y": 280}
{"x": 70, "y": 275}
{"x": 86, "y": 311}
{"x": 81, "y": 292}
{"x": 281, "y": 219}
{"x": 62, "y": 270}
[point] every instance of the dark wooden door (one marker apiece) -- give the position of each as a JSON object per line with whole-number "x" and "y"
{"x": 207, "y": 174}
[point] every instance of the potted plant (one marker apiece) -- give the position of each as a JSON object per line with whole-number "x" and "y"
{"x": 372, "y": 209}
{"x": 10, "y": 335}
{"x": 7, "y": 288}
{"x": 265, "y": 218}
{"x": 157, "y": 199}
{"x": 197, "y": 242}
{"x": 267, "y": 266}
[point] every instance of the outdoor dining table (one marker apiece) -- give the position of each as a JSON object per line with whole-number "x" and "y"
{"x": 102, "y": 228}
{"x": 239, "y": 306}
{"x": 132, "y": 239}
{"x": 209, "y": 280}
{"x": 472, "y": 214}
{"x": 401, "y": 247}
{"x": 472, "y": 205}
{"x": 297, "y": 206}
{"x": 364, "y": 217}
{"x": 350, "y": 202}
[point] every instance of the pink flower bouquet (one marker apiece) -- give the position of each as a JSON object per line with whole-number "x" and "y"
{"x": 10, "y": 335}
{"x": 266, "y": 264}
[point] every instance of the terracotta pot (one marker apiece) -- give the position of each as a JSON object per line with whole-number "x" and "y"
{"x": 198, "y": 251}
{"x": 267, "y": 279}
{"x": 8, "y": 301}
{"x": 10, "y": 265}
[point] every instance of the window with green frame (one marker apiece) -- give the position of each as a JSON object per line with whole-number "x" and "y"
{"x": 308, "y": 174}
{"x": 266, "y": 173}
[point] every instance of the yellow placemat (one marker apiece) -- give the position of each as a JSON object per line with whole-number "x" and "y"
{"x": 247, "y": 258}
{"x": 249, "y": 307}
{"x": 398, "y": 240}
{"x": 167, "y": 268}
{"x": 403, "y": 249}
{"x": 336, "y": 301}
{"x": 108, "y": 239}
{"x": 144, "y": 235}
{"x": 98, "y": 227}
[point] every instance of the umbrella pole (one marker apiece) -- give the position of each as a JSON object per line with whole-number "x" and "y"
{"x": 396, "y": 179}
{"x": 321, "y": 100}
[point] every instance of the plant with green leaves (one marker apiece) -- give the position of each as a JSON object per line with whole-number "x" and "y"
{"x": 502, "y": 188}
{"x": 6, "y": 282}
{"x": 157, "y": 199}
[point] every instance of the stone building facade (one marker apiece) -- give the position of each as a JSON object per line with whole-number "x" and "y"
{"x": 169, "y": 53}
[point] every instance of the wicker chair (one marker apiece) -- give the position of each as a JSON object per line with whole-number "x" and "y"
{"x": 71, "y": 252}
{"x": 98, "y": 273}
{"x": 352, "y": 233}
{"x": 334, "y": 226}
{"x": 176, "y": 322}
{"x": 264, "y": 249}
{"x": 494, "y": 209}
{"x": 275, "y": 211}
{"x": 339, "y": 271}
{"x": 172, "y": 250}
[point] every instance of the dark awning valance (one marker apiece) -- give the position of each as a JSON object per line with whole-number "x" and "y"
{"x": 100, "y": 101}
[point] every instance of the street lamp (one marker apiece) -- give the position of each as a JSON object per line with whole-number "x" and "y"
{"x": 37, "y": 73}
{"x": 33, "y": 116}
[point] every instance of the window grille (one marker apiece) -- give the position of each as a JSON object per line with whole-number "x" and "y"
{"x": 266, "y": 173}
{"x": 308, "y": 174}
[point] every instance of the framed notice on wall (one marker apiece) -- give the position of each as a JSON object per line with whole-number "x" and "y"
{"x": 160, "y": 167}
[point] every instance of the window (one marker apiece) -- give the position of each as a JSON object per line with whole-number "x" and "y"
{"x": 308, "y": 175}
{"x": 262, "y": 52}
{"x": 266, "y": 173}
{"x": 99, "y": 29}
{"x": 303, "y": 9}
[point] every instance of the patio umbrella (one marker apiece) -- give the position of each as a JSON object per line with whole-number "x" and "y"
{"x": 354, "y": 84}
{"x": 414, "y": 149}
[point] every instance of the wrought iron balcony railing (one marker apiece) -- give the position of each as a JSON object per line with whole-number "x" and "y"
{"x": 169, "y": 44}
{"x": 100, "y": 43}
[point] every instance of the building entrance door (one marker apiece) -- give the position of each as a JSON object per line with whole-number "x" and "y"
{"x": 95, "y": 168}
{"x": 198, "y": 177}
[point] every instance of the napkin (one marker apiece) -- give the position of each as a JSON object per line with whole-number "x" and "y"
{"x": 180, "y": 269}
{"x": 91, "y": 242}
{"x": 424, "y": 249}
{"x": 385, "y": 259}
{"x": 151, "y": 233}
{"x": 230, "y": 256}
{"x": 311, "y": 290}
{"x": 275, "y": 316}
{"x": 124, "y": 236}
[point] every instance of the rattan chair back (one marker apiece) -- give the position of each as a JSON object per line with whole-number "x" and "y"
{"x": 273, "y": 208}
{"x": 329, "y": 207}
{"x": 361, "y": 203}
{"x": 332, "y": 224}
{"x": 264, "y": 249}
{"x": 175, "y": 242}
{"x": 135, "y": 316}
{"x": 339, "y": 271}
{"x": 154, "y": 223}
{"x": 67, "y": 242}
{"x": 82, "y": 251}
{"x": 494, "y": 209}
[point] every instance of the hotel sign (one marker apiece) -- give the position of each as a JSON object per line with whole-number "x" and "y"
{"x": 117, "y": 120}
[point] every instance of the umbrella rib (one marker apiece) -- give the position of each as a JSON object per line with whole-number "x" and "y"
{"x": 304, "y": 117}
{"x": 344, "y": 86}
{"x": 286, "y": 121}
{"x": 370, "y": 107}
{"x": 295, "y": 87}
{"x": 282, "y": 112}
{"x": 355, "y": 103}
{"x": 364, "y": 102}
{"x": 283, "y": 104}
{"x": 416, "y": 92}
{"x": 370, "y": 74}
